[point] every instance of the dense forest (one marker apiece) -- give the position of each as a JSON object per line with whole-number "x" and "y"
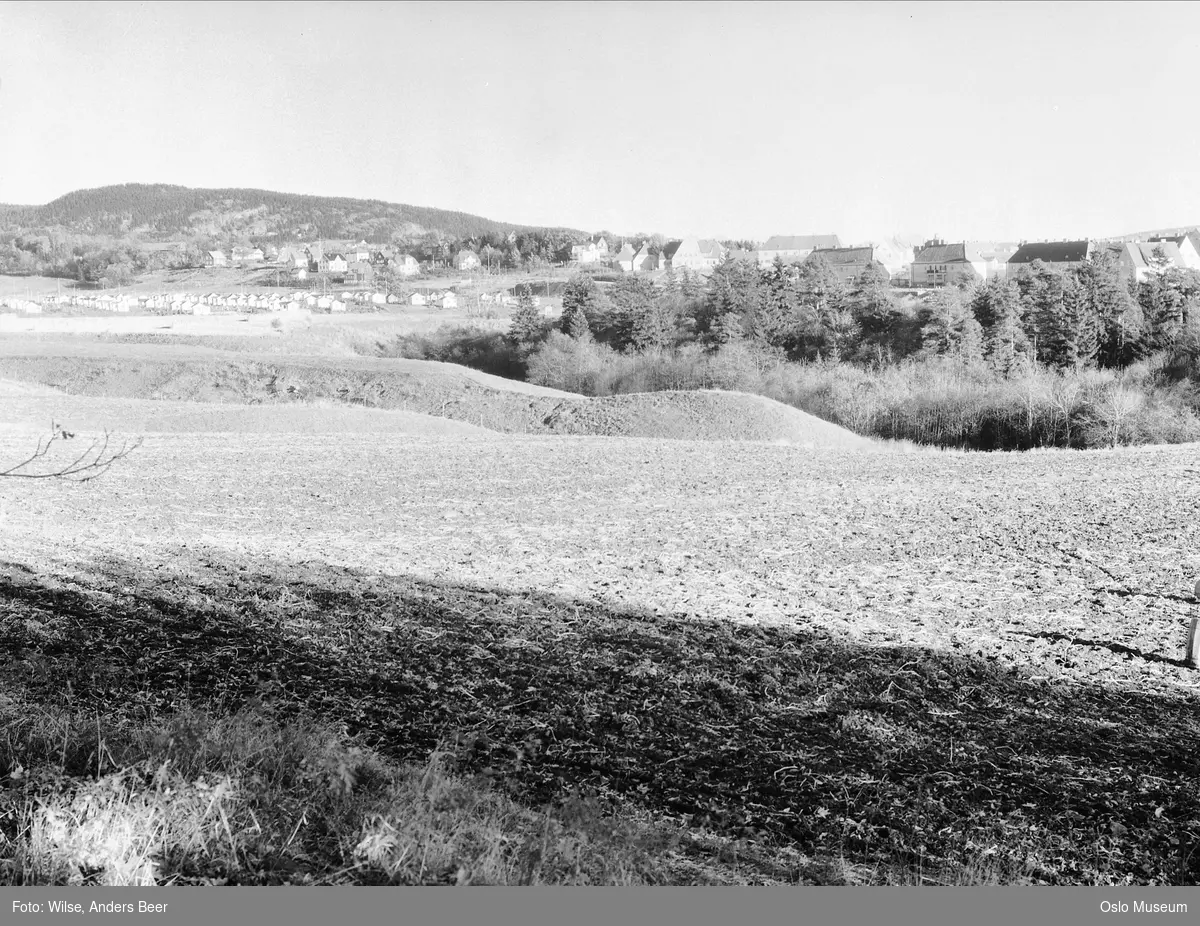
{"x": 1076, "y": 358}
{"x": 115, "y": 232}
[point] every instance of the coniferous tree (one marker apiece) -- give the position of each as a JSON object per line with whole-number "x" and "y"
{"x": 1076, "y": 334}
{"x": 1005, "y": 345}
{"x": 1118, "y": 316}
{"x": 773, "y": 322}
{"x": 527, "y": 324}
{"x": 632, "y": 298}
{"x": 875, "y": 312}
{"x": 1042, "y": 302}
{"x": 656, "y": 327}
{"x": 942, "y": 315}
{"x": 574, "y": 322}
{"x": 1163, "y": 310}
{"x": 970, "y": 346}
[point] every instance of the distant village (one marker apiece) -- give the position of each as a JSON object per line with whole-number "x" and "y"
{"x": 935, "y": 263}
{"x": 369, "y": 272}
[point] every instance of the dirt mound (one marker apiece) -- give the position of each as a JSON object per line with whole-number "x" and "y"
{"x": 704, "y": 415}
{"x": 87, "y": 415}
{"x": 441, "y": 390}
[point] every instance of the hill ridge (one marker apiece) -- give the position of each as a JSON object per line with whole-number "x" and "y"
{"x": 170, "y": 211}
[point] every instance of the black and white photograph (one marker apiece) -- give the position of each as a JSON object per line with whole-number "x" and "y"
{"x": 600, "y": 444}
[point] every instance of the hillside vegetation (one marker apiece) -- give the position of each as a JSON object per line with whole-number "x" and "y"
{"x": 112, "y": 235}
{"x": 165, "y": 212}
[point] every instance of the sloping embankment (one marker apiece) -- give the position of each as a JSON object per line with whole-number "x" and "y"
{"x": 438, "y": 389}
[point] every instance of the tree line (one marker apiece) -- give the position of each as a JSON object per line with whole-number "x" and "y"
{"x": 1079, "y": 357}
{"x": 1084, "y": 317}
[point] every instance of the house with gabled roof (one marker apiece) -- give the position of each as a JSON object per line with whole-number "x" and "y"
{"x": 1189, "y": 247}
{"x": 360, "y": 251}
{"x": 848, "y": 264}
{"x": 247, "y": 255}
{"x": 1057, "y": 255}
{"x": 698, "y": 254}
{"x": 216, "y": 259}
{"x": 466, "y": 259}
{"x": 1140, "y": 259}
{"x": 405, "y": 265}
{"x": 623, "y": 259}
{"x": 792, "y": 249}
{"x": 586, "y": 253}
{"x": 334, "y": 263}
{"x": 936, "y": 263}
{"x": 644, "y": 261}
{"x": 361, "y": 270}
{"x": 293, "y": 257}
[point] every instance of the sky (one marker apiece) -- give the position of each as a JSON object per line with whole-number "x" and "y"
{"x": 991, "y": 121}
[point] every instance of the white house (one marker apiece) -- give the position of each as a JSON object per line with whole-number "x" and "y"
{"x": 335, "y": 263}
{"x": 698, "y": 254}
{"x": 417, "y": 299}
{"x": 295, "y": 258}
{"x": 405, "y": 265}
{"x": 586, "y": 253}
{"x": 448, "y": 301}
{"x": 643, "y": 260}
{"x": 247, "y": 255}
{"x": 1140, "y": 259}
{"x": 1189, "y": 248}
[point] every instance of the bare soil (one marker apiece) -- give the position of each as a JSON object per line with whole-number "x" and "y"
{"x": 936, "y": 659}
{"x": 171, "y": 372}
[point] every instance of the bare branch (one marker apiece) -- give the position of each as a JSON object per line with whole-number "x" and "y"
{"x": 91, "y": 464}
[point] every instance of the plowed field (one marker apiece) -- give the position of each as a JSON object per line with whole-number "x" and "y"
{"x": 966, "y": 659}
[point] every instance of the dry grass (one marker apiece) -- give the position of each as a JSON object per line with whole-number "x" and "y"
{"x": 246, "y": 798}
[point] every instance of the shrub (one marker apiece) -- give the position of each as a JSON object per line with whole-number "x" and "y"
{"x": 489, "y": 351}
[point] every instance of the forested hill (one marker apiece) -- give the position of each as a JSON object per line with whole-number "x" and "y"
{"x": 162, "y": 211}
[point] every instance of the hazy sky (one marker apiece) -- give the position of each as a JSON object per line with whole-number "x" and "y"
{"x": 996, "y": 120}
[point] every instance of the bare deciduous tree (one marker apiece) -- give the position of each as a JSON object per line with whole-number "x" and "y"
{"x": 95, "y": 460}
{"x": 1117, "y": 405}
